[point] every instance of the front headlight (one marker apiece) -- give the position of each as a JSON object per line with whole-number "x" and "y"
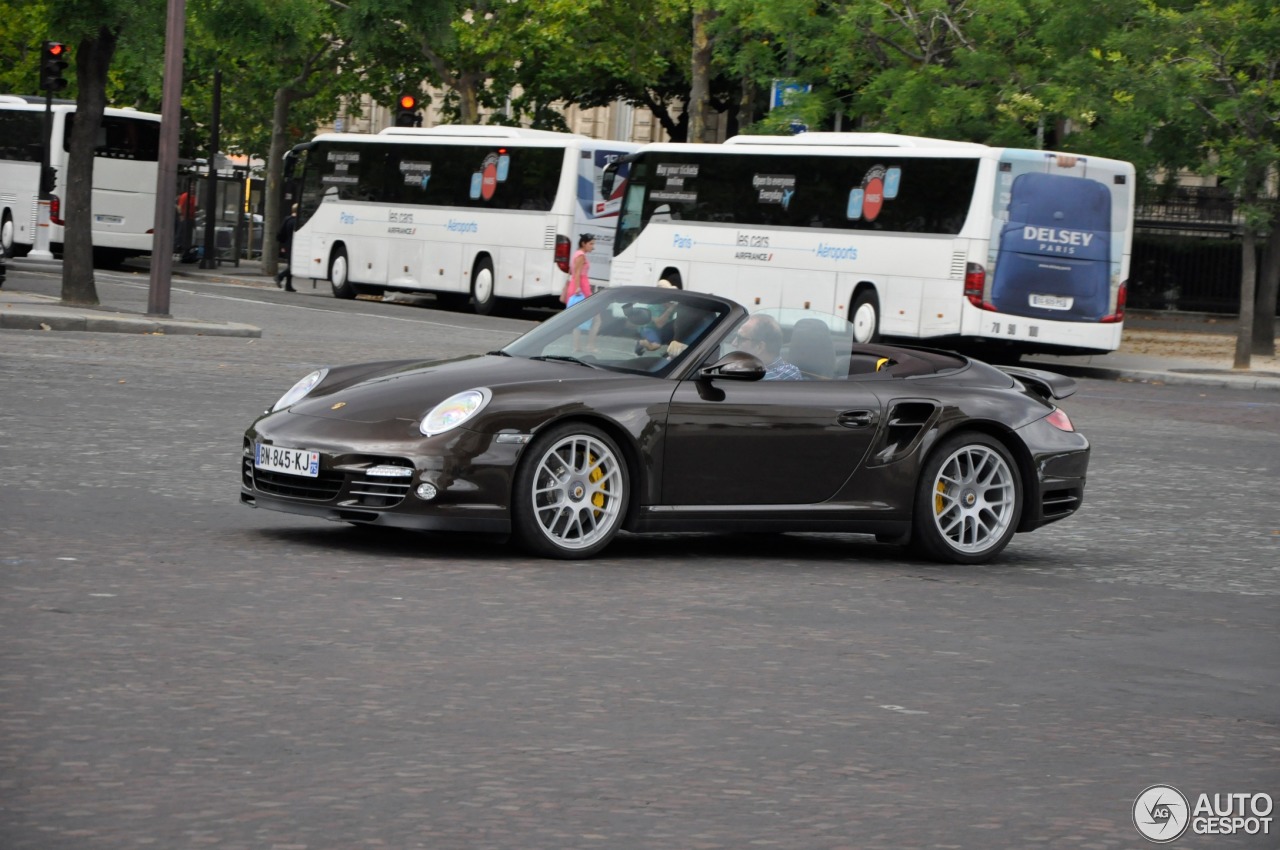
{"x": 454, "y": 410}
{"x": 299, "y": 390}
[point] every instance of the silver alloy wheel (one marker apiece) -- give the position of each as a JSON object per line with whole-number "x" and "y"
{"x": 577, "y": 492}
{"x": 974, "y": 499}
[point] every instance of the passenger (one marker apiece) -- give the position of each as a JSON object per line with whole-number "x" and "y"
{"x": 762, "y": 336}
{"x": 654, "y": 331}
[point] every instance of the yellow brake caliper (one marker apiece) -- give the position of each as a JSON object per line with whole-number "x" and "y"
{"x": 938, "y": 504}
{"x": 597, "y": 473}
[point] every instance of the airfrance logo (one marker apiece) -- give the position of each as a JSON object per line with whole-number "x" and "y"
{"x": 1161, "y": 814}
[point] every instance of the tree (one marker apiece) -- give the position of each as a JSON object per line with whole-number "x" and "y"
{"x": 1206, "y": 76}
{"x": 23, "y": 26}
{"x": 94, "y": 28}
{"x": 300, "y": 56}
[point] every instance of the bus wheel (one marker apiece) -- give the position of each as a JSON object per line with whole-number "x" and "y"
{"x": 6, "y": 234}
{"x": 338, "y": 274}
{"x": 672, "y": 277}
{"x": 865, "y": 317}
{"x": 482, "y": 298}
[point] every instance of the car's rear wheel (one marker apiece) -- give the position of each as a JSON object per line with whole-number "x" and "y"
{"x": 571, "y": 492}
{"x": 968, "y": 501}
{"x": 339, "y": 274}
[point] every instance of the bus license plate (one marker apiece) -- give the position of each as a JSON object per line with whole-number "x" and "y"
{"x": 1052, "y": 302}
{"x": 108, "y": 219}
{"x": 288, "y": 461}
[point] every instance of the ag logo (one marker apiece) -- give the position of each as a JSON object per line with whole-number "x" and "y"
{"x": 1161, "y": 814}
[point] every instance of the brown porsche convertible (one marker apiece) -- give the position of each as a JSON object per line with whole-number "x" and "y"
{"x": 658, "y": 410}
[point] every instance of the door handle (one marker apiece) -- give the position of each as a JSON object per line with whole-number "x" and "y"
{"x": 857, "y": 418}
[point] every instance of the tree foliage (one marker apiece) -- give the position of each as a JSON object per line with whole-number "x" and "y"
{"x": 1205, "y": 79}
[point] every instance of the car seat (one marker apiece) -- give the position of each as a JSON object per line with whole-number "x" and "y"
{"x": 811, "y": 349}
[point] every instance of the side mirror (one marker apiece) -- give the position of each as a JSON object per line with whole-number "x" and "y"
{"x": 734, "y": 366}
{"x": 607, "y": 178}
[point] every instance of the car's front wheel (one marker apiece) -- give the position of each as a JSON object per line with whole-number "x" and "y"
{"x": 968, "y": 501}
{"x": 571, "y": 492}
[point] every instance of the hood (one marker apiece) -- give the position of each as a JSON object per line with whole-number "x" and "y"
{"x": 407, "y": 392}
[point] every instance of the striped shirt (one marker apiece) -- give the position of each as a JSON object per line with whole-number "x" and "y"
{"x": 781, "y": 370}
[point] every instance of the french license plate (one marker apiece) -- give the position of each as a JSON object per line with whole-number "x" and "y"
{"x": 288, "y": 461}
{"x": 1052, "y": 302}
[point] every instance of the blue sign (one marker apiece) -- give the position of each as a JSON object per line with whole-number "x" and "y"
{"x": 785, "y": 90}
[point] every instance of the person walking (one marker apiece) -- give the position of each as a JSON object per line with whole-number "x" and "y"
{"x": 284, "y": 277}
{"x": 579, "y": 289}
{"x": 184, "y": 225}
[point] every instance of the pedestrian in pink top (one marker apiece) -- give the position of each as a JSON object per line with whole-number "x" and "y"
{"x": 580, "y": 289}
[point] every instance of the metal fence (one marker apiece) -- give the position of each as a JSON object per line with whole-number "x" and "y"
{"x": 1187, "y": 253}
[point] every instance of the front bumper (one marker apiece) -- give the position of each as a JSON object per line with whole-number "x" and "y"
{"x": 470, "y": 475}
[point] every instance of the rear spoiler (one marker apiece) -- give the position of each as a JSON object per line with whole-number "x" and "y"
{"x": 1047, "y": 385}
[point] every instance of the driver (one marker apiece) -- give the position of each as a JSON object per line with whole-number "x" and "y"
{"x": 761, "y": 335}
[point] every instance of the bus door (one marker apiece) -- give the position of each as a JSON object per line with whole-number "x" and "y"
{"x": 1054, "y": 259}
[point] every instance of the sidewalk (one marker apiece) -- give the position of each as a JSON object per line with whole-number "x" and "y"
{"x": 34, "y": 311}
{"x": 1158, "y": 348}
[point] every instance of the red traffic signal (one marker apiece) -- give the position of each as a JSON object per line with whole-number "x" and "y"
{"x": 407, "y": 111}
{"x": 53, "y": 61}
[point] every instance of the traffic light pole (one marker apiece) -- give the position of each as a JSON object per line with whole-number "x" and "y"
{"x": 40, "y": 244}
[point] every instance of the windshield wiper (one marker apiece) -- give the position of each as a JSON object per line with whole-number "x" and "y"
{"x": 565, "y": 358}
{"x": 498, "y": 352}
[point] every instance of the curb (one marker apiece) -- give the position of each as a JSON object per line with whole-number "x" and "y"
{"x": 1172, "y": 378}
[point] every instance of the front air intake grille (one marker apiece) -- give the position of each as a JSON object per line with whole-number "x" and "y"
{"x": 371, "y": 492}
{"x": 320, "y": 489}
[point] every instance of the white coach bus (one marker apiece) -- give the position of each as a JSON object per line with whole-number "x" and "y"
{"x": 467, "y": 213}
{"x": 957, "y": 243}
{"x": 125, "y": 167}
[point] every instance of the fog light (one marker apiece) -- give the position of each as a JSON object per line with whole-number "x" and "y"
{"x": 426, "y": 491}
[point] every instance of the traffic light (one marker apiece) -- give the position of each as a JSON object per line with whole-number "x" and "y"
{"x": 53, "y": 61}
{"x": 407, "y": 111}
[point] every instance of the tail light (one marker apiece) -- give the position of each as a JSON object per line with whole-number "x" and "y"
{"x": 1122, "y": 295}
{"x": 1060, "y": 420}
{"x": 562, "y": 253}
{"x": 55, "y": 210}
{"x": 975, "y": 284}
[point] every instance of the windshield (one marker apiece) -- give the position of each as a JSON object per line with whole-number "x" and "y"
{"x": 641, "y": 330}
